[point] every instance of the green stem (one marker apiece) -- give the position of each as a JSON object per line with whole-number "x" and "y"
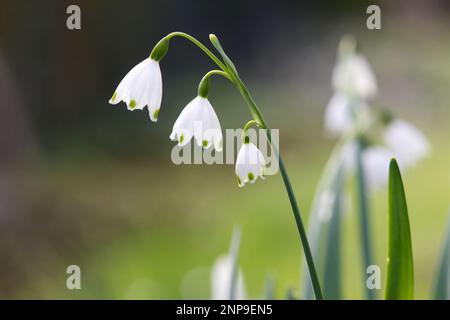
{"x": 254, "y": 109}
{"x": 230, "y": 69}
{"x": 211, "y": 55}
{"x": 364, "y": 214}
{"x": 203, "y": 87}
{"x": 234, "y": 256}
{"x": 217, "y": 73}
{"x": 301, "y": 231}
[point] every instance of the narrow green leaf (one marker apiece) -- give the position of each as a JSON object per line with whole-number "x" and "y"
{"x": 319, "y": 227}
{"x": 400, "y": 268}
{"x": 234, "y": 254}
{"x": 442, "y": 279}
{"x": 333, "y": 263}
{"x": 364, "y": 217}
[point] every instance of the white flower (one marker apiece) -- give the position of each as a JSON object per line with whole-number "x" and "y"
{"x": 406, "y": 141}
{"x": 141, "y": 87}
{"x": 221, "y": 280}
{"x": 340, "y": 115}
{"x": 250, "y": 164}
{"x": 198, "y": 119}
{"x": 376, "y": 166}
{"x": 354, "y": 76}
{"x": 375, "y": 163}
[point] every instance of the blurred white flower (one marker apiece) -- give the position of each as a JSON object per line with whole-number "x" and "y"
{"x": 198, "y": 119}
{"x": 375, "y": 160}
{"x": 407, "y": 142}
{"x": 354, "y": 76}
{"x": 376, "y": 166}
{"x": 221, "y": 280}
{"x": 250, "y": 164}
{"x": 142, "y": 86}
{"x": 340, "y": 115}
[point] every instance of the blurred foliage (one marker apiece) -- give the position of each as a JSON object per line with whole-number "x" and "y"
{"x": 95, "y": 185}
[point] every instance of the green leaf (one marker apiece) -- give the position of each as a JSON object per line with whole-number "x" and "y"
{"x": 333, "y": 263}
{"x": 400, "y": 268}
{"x": 364, "y": 216}
{"x": 442, "y": 279}
{"x": 234, "y": 254}
{"x": 324, "y": 233}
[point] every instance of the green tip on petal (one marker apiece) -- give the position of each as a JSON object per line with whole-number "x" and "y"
{"x": 205, "y": 143}
{"x": 155, "y": 114}
{"x": 114, "y": 96}
{"x": 181, "y": 138}
{"x": 251, "y": 177}
{"x": 132, "y": 104}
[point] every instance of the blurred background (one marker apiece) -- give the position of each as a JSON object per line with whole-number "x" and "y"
{"x": 85, "y": 183}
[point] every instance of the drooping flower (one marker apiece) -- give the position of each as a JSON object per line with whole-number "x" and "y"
{"x": 221, "y": 280}
{"x": 250, "y": 163}
{"x": 353, "y": 75}
{"x": 406, "y": 141}
{"x": 376, "y": 166}
{"x": 341, "y": 113}
{"x": 199, "y": 120}
{"x": 375, "y": 160}
{"x": 142, "y": 86}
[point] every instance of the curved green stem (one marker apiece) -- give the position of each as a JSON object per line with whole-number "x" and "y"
{"x": 301, "y": 231}
{"x": 229, "y": 68}
{"x": 218, "y": 73}
{"x": 203, "y": 87}
{"x": 248, "y": 125}
{"x": 211, "y": 55}
{"x": 254, "y": 110}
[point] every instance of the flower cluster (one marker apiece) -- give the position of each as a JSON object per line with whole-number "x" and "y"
{"x": 348, "y": 113}
{"x": 142, "y": 86}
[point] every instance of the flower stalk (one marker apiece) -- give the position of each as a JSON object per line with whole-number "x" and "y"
{"x": 199, "y": 111}
{"x": 258, "y": 117}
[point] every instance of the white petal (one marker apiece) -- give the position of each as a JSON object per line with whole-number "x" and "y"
{"x": 208, "y": 131}
{"x": 338, "y": 117}
{"x": 155, "y": 95}
{"x": 199, "y": 119}
{"x": 221, "y": 280}
{"x": 406, "y": 141}
{"x": 376, "y": 166}
{"x": 353, "y": 75}
{"x": 250, "y": 164}
{"x": 185, "y": 122}
{"x": 122, "y": 92}
{"x": 142, "y": 86}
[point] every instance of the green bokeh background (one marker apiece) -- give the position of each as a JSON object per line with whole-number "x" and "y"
{"x": 93, "y": 185}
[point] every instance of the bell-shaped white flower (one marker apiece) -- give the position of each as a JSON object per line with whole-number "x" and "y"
{"x": 376, "y": 166}
{"x": 406, "y": 141}
{"x": 341, "y": 113}
{"x": 199, "y": 120}
{"x": 142, "y": 86}
{"x": 250, "y": 163}
{"x": 221, "y": 280}
{"x": 354, "y": 76}
{"x": 375, "y": 161}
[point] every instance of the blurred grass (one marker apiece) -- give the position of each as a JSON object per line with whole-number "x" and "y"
{"x": 145, "y": 227}
{"x": 141, "y": 227}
